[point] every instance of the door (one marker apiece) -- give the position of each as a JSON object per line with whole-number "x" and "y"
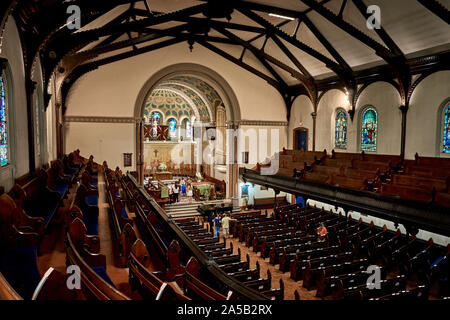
{"x": 301, "y": 139}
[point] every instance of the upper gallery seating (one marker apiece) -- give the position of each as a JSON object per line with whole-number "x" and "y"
{"x": 423, "y": 179}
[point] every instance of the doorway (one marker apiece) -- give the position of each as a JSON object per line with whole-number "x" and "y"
{"x": 301, "y": 139}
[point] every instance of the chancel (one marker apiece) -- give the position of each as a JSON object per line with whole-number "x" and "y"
{"x": 224, "y": 150}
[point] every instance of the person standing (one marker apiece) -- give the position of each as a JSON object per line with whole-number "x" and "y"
{"x": 176, "y": 191}
{"x": 189, "y": 193}
{"x": 211, "y": 222}
{"x": 226, "y": 225}
{"x": 170, "y": 194}
{"x": 217, "y": 226}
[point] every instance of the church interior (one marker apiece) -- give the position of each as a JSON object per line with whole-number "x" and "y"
{"x": 225, "y": 150}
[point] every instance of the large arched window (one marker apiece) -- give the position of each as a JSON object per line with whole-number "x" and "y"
{"x": 340, "y": 137}
{"x": 172, "y": 127}
{"x": 4, "y": 154}
{"x": 155, "y": 120}
{"x": 369, "y": 130}
{"x": 446, "y": 131}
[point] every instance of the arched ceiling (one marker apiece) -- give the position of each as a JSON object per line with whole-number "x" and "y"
{"x": 318, "y": 44}
{"x": 171, "y": 103}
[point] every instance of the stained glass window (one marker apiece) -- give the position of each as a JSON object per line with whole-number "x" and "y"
{"x": 187, "y": 128}
{"x": 155, "y": 120}
{"x": 369, "y": 130}
{"x": 37, "y": 127}
{"x": 446, "y": 146}
{"x": 340, "y": 141}
{"x": 172, "y": 127}
{"x": 3, "y": 126}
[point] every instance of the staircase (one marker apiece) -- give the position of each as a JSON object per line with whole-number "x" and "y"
{"x": 183, "y": 210}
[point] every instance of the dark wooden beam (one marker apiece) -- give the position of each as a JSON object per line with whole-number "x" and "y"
{"x": 236, "y": 61}
{"x": 335, "y": 67}
{"x": 291, "y": 56}
{"x": 380, "y": 50}
{"x": 262, "y": 56}
{"x": 380, "y": 31}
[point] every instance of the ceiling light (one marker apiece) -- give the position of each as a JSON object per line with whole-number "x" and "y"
{"x": 280, "y": 16}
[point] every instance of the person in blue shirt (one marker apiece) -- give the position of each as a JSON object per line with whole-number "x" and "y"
{"x": 217, "y": 226}
{"x": 211, "y": 221}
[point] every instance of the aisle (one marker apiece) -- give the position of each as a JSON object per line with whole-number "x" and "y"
{"x": 289, "y": 285}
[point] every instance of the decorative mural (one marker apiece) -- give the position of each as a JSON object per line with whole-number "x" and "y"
{"x": 169, "y": 104}
{"x": 208, "y": 91}
{"x": 199, "y": 103}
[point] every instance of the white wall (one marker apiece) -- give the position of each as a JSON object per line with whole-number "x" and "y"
{"x": 326, "y": 110}
{"x": 386, "y": 100}
{"x": 18, "y": 133}
{"x": 301, "y": 113}
{"x": 112, "y": 91}
{"x": 105, "y": 141}
{"x": 421, "y": 125}
{"x": 381, "y": 95}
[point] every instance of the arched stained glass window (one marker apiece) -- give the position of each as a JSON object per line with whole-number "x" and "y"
{"x": 155, "y": 120}
{"x": 446, "y": 140}
{"x": 172, "y": 127}
{"x": 340, "y": 140}
{"x": 369, "y": 130}
{"x": 3, "y": 125}
{"x": 187, "y": 128}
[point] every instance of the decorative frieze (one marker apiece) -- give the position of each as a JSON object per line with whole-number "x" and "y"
{"x": 102, "y": 119}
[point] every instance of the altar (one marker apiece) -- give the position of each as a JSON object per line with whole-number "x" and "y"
{"x": 203, "y": 190}
{"x": 162, "y": 175}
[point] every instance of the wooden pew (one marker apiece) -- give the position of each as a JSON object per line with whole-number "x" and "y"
{"x": 193, "y": 286}
{"x": 36, "y": 199}
{"x": 122, "y": 224}
{"x": 149, "y": 283}
{"x": 267, "y": 203}
{"x": 92, "y": 265}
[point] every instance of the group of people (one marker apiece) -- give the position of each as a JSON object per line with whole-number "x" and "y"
{"x": 182, "y": 186}
{"x": 216, "y": 222}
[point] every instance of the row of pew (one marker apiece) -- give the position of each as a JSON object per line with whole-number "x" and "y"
{"x": 230, "y": 262}
{"x": 27, "y": 213}
{"x": 167, "y": 263}
{"x": 338, "y": 266}
{"x": 424, "y": 179}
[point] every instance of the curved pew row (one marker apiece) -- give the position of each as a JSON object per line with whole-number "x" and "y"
{"x": 156, "y": 234}
{"x": 121, "y": 223}
{"x": 178, "y": 280}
